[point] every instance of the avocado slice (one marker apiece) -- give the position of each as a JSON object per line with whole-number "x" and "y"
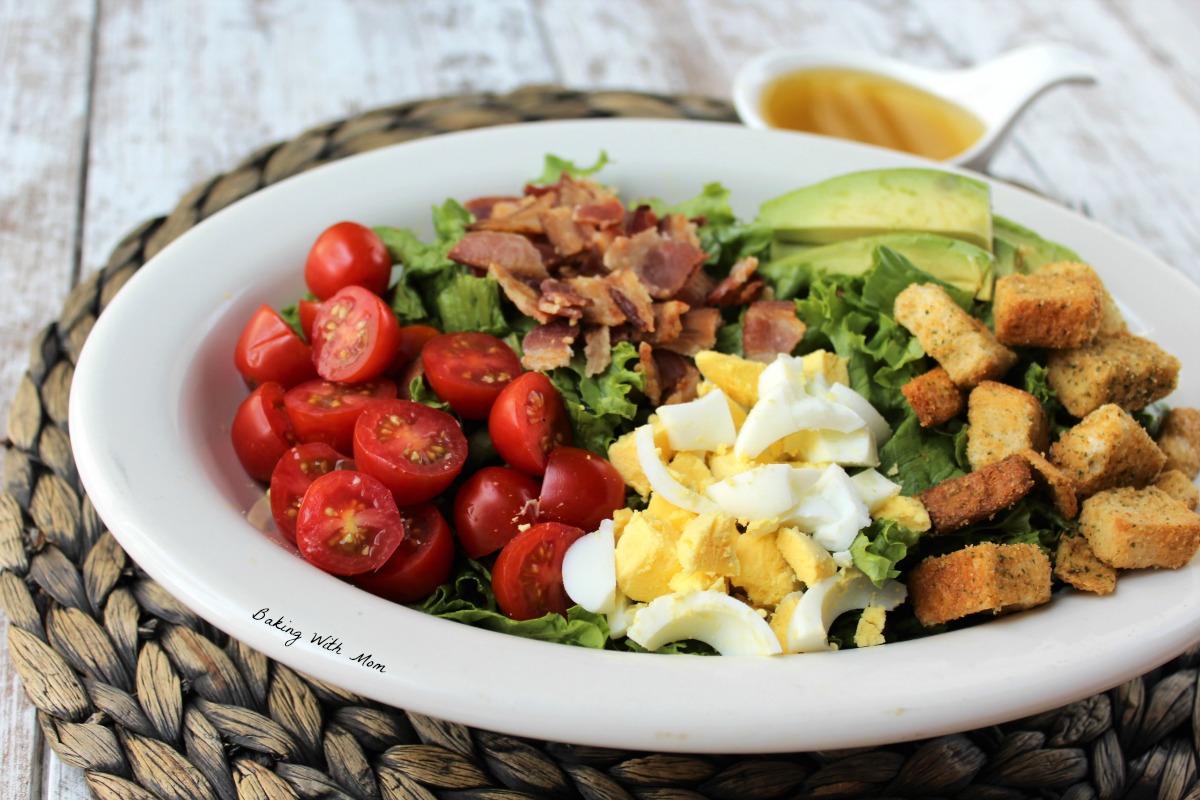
{"x": 1021, "y": 251}
{"x": 954, "y": 261}
{"x": 884, "y": 201}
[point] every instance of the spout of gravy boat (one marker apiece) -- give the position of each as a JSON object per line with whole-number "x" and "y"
{"x": 995, "y": 92}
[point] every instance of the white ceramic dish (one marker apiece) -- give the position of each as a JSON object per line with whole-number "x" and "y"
{"x": 155, "y": 390}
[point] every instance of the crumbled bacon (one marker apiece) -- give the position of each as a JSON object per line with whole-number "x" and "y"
{"x": 603, "y": 309}
{"x": 597, "y": 349}
{"x": 522, "y": 295}
{"x": 566, "y": 236}
{"x": 548, "y": 346}
{"x": 522, "y": 216}
{"x": 663, "y": 265}
{"x": 678, "y": 378}
{"x": 699, "y": 332}
{"x": 640, "y": 219}
{"x": 695, "y": 291}
{"x": 668, "y": 321}
{"x": 771, "y": 327}
{"x": 559, "y": 299}
{"x": 575, "y": 192}
{"x": 630, "y": 295}
{"x": 727, "y": 291}
{"x": 607, "y": 214}
{"x": 481, "y": 207}
{"x": 651, "y": 387}
{"x": 679, "y": 228}
{"x": 518, "y": 255}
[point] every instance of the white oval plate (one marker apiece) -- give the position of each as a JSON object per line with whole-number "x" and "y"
{"x": 155, "y": 391}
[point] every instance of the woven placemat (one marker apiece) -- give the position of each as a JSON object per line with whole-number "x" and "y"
{"x": 153, "y": 702}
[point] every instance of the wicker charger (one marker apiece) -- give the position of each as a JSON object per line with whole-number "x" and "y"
{"x": 153, "y": 702}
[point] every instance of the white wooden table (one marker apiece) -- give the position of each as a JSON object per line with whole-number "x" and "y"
{"x": 110, "y": 110}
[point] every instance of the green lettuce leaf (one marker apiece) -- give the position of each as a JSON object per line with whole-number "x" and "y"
{"x": 879, "y": 548}
{"x": 600, "y": 407}
{"x": 467, "y": 303}
{"x": 556, "y": 167}
{"x": 920, "y": 458}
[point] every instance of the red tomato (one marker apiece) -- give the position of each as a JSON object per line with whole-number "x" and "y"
{"x": 580, "y": 488}
{"x": 420, "y": 564}
{"x": 348, "y": 523}
{"x": 355, "y": 336}
{"x": 415, "y": 450}
{"x": 528, "y": 421}
{"x": 347, "y": 254}
{"x": 307, "y": 311}
{"x": 412, "y": 340}
{"x": 321, "y": 411}
{"x": 468, "y": 370}
{"x": 261, "y": 431}
{"x": 491, "y": 506}
{"x": 294, "y": 473}
{"x": 527, "y": 576}
{"x": 269, "y": 350}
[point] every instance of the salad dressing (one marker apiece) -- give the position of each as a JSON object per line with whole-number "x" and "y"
{"x": 866, "y": 107}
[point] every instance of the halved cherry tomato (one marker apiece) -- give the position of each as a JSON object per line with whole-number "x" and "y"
{"x": 347, "y": 254}
{"x": 491, "y": 506}
{"x": 269, "y": 350}
{"x": 412, "y": 340}
{"x": 261, "y": 431}
{"x": 348, "y": 523}
{"x": 527, "y": 576}
{"x": 307, "y": 311}
{"x": 527, "y": 421}
{"x": 355, "y": 336}
{"x": 321, "y": 411}
{"x": 420, "y": 564}
{"x": 415, "y": 450}
{"x": 580, "y": 488}
{"x": 468, "y": 370}
{"x": 294, "y": 473}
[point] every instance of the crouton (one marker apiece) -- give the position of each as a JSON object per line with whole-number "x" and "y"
{"x": 1107, "y": 449}
{"x": 984, "y": 577}
{"x": 1180, "y": 440}
{"x": 1004, "y": 420}
{"x": 963, "y": 501}
{"x": 1076, "y": 564}
{"x": 960, "y": 343}
{"x": 1111, "y": 321}
{"x": 1056, "y": 482}
{"x": 1125, "y": 370}
{"x": 1053, "y": 308}
{"x": 1176, "y": 484}
{"x": 1137, "y": 528}
{"x": 934, "y": 397}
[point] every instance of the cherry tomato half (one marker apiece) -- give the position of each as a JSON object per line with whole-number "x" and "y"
{"x": 491, "y": 506}
{"x": 412, "y": 341}
{"x": 527, "y": 576}
{"x": 321, "y": 411}
{"x": 528, "y": 421}
{"x": 415, "y": 450}
{"x": 420, "y": 564}
{"x": 294, "y": 473}
{"x": 355, "y": 336}
{"x": 261, "y": 431}
{"x": 307, "y": 310}
{"x": 580, "y": 488}
{"x": 468, "y": 370}
{"x": 269, "y": 350}
{"x": 347, "y": 254}
{"x": 348, "y": 523}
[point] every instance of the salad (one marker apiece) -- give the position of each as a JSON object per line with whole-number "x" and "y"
{"x": 874, "y": 412}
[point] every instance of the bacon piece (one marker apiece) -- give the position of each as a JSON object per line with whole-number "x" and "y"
{"x": 769, "y": 328}
{"x": 699, "y": 332}
{"x": 726, "y": 292}
{"x": 522, "y": 216}
{"x": 652, "y": 389}
{"x": 640, "y": 219}
{"x": 548, "y": 346}
{"x": 632, "y": 298}
{"x": 664, "y": 265}
{"x": 597, "y": 350}
{"x": 603, "y": 309}
{"x": 668, "y": 322}
{"x": 522, "y": 295}
{"x": 695, "y": 291}
{"x": 679, "y": 228}
{"x": 678, "y": 378}
{"x": 518, "y": 256}
{"x": 606, "y": 214}
{"x": 481, "y": 207}
{"x": 561, "y": 300}
{"x": 565, "y": 235}
{"x": 572, "y": 192}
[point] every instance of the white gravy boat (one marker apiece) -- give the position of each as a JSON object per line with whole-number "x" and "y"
{"x": 996, "y": 91}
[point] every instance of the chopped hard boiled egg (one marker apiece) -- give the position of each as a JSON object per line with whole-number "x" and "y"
{"x": 703, "y": 424}
{"x": 589, "y": 570}
{"x": 729, "y": 626}
{"x": 662, "y": 481}
{"x": 849, "y": 589}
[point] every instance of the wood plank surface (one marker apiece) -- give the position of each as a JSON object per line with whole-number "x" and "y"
{"x": 111, "y": 109}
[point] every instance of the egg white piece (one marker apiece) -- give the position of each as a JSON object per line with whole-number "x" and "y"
{"x": 853, "y": 449}
{"x": 848, "y": 515}
{"x": 788, "y": 409}
{"x": 702, "y": 424}
{"x": 759, "y": 493}
{"x": 862, "y": 406}
{"x": 621, "y": 616}
{"x": 874, "y": 488}
{"x": 589, "y": 570}
{"x": 785, "y": 370}
{"x": 662, "y": 481}
{"x": 827, "y": 599}
{"x": 729, "y": 626}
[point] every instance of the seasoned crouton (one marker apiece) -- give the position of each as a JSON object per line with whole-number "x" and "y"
{"x": 934, "y": 397}
{"x": 1135, "y": 528}
{"x": 1180, "y": 440}
{"x": 1176, "y": 484}
{"x": 1056, "y": 482}
{"x": 1054, "y": 308}
{"x": 1111, "y": 321}
{"x": 1106, "y": 449}
{"x": 1076, "y": 564}
{"x": 1125, "y": 370}
{"x": 960, "y": 343}
{"x": 984, "y": 577}
{"x": 959, "y": 502}
{"x": 1004, "y": 420}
